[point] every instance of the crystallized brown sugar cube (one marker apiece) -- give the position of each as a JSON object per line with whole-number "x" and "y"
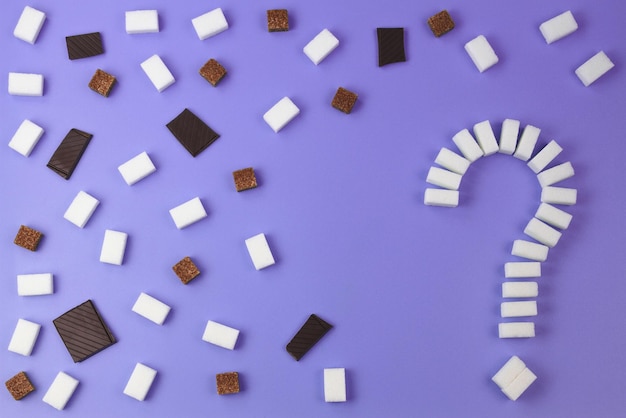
{"x": 277, "y": 20}
{"x": 19, "y": 386}
{"x": 441, "y": 23}
{"x": 244, "y": 179}
{"x": 227, "y": 383}
{"x": 344, "y": 100}
{"x": 186, "y": 270}
{"x": 213, "y": 72}
{"x": 28, "y": 238}
{"x": 102, "y": 82}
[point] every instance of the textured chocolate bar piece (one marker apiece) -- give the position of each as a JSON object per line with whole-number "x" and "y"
{"x": 277, "y": 20}
{"x": 19, "y": 386}
{"x": 84, "y": 46}
{"x": 344, "y": 100}
{"x": 212, "y": 71}
{"x": 192, "y": 132}
{"x": 68, "y": 153}
{"x": 83, "y": 331}
{"x": 186, "y": 270}
{"x": 311, "y": 332}
{"x": 102, "y": 82}
{"x": 28, "y": 238}
{"x": 441, "y": 23}
{"x": 244, "y": 179}
{"x": 390, "y": 45}
{"x": 227, "y": 383}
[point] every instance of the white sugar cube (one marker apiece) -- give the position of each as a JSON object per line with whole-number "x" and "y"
{"x": 220, "y": 335}
{"x": 558, "y": 195}
{"x": 517, "y": 309}
{"x": 25, "y": 84}
{"x": 452, "y": 161}
{"x": 24, "y": 337}
{"x": 60, "y": 391}
{"x": 527, "y": 142}
{"x": 516, "y": 329}
{"x": 319, "y": 47}
{"x": 210, "y": 23}
{"x": 137, "y": 168}
{"x": 558, "y": 27}
{"x": 113, "y": 247}
{"x": 553, "y": 216}
{"x": 481, "y": 53}
{"x": 26, "y": 137}
{"x": 507, "y": 374}
{"x": 520, "y": 384}
{"x": 522, "y": 269}
{"x": 335, "y": 385}
{"x": 545, "y": 156}
{"x": 555, "y": 174}
{"x": 28, "y": 26}
{"x": 441, "y": 197}
{"x": 151, "y": 308}
{"x": 443, "y": 178}
{"x": 259, "y": 251}
{"x": 486, "y": 138}
{"x": 542, "y": 232}
{"x": 594, "y": 68}
{"x": 140, "y": 381}
{"x": 520, "y": 290}
{"x": 35, "y": 284}
{"x": 142, "y": 21}
{"x": 508, "y": 136}
{"x": 188, "y": 213}
{"x": 81, "y": 209}
{"x": 530, "y": 250}
{"x": 158, "y": 73}
{"x": 467, "y": 145}
{"x": 281, "y": 114}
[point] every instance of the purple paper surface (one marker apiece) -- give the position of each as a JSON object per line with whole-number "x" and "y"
{"x": 412, "y": 291}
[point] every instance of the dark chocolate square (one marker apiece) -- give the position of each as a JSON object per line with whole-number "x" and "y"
{"x": 19, "y": 386}
{"x": 277, "y": 20}
{"x": 344, "y": 100}
{"x": 390, "y": 45}
{"x": 28, "y": 238}
{"x": 84, "y": 46}
{"x": 244, "y": 179}
{"x": 227, "y": 383}
{"x": 68, "y": 153}
{"x": 83, "y": 331}
{"x": 192, "y": 132}
{"x": 102, "y": 82}
{"x": 213, "y": 72}
{"x": 441, "y": 23}
{"x": 311, "y": 332}
{"x": 186, "y": 270}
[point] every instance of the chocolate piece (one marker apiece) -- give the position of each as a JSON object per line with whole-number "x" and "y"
{"x": 19, "y": 386}
{"x": 186, "y": 270}
{"x": 213, "y": 72}
{"x": 344, "y": 100}
{"x": 102, "y": 82}
{"x": 191, "y": 132}
{"x": 28, "y": 238}
{"x": 390, "y": 45}
{"x": 227, "y": 383}
{"x": 441, "y": 23}
{"x": 83, "y": 331}
{"x": 311, "y": 332}
{"x": 244, "y": 179}
{"x": 68, "y": 153}
{"x": 277, "y": 20}
{"x": 84, "y": 46}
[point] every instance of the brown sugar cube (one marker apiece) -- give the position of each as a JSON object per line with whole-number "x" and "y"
{"x": 19, "y": 386}
{"x": 441, "y": 23}
{"x": 344, "y": 100}
{"x": 277, "y": 20}
{"x": 244, "y": 179}
{"x": 102, "y": 82}
{"x": 186, "y": 270}
{"x": 227, "y": 383}
{"x": 28, "y": 238}
{"x": 213, "y": 72}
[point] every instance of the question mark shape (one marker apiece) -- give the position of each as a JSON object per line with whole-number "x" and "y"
{"x": 544, "y": 228}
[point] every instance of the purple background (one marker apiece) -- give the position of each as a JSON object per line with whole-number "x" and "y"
{"x": 413, "y": 291}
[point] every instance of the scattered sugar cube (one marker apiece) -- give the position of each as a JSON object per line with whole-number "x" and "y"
{"x": 545, "y": 157}
{"x": 26, "y": 137}
{"x": 140, "y": 381}
{"x": 530, "y": 250}
{"x": 142, "y": 21}
{"x": 60, "y": 391}
{"x": 520, "y": 384}
{"x": 522, "y": 269}
{"x": 553, "y": 216}
{"x": 555, "y": 174}
{"x": 527, "y": 142}
{"x": 137, "y": 168}
{"x": 210, "y": 23}
{"x": 30, "y": 23}
{"x": 35, "y": 284}
{"x": 558, "y": 195}
{"x": 24, "y": 337}
{"x": 517, "y": 309}
{"x": 486, "y": 138}
{"x": 444, "y": 178}
{"x": 335, "y": 385}
{"x": 467, "y": 145}
{"x": 259, "y": 251}
{"x": 594, "y": 68}
{"x": 507, "y": 374}
{"x": 220, "y": 335}
{"x": 508, "y": 136}
{"x": 281, "y": 114}
{"x": 516, "y": 329}
{"x": 520, "y": 290}
{"x": 481, "y": 53}
{"x": 113, "y": 247}
{"x": 188, "y": 213}
{"x": 158, "y": 73}
{"x": 81, "y": 209}
{"x": 319, "y": 47}
{"x": 441, "y": 197}
{"x": 227, "y": 383}
{"x": 25, "y": 84}
{"x": 542, "y": 232}
{"x": 452, "y": 161}
{"x": 151, "y": 308}
{"x": 19, "y": 386}
{"x": 558, "y": 27}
